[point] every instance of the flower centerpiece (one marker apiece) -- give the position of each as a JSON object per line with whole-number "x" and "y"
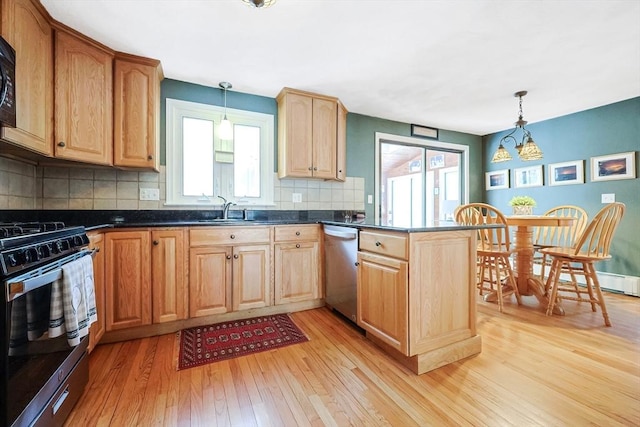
{"x": 522, "y": 205}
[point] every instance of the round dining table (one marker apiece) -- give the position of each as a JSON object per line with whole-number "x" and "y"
{"x": 528, "y": 284}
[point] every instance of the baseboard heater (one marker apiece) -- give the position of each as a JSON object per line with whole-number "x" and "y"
{"x": 628, "y": 285}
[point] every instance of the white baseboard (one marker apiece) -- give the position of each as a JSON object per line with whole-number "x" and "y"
{"x": 629, "y": 285}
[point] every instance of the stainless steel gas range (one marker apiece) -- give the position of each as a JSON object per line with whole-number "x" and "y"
{"x": 41, "y": 378}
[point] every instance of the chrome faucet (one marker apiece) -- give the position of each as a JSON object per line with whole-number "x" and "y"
{"x": 225, "y": 207}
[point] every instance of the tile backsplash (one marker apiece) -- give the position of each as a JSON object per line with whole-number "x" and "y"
{"x": 25, "y": 186}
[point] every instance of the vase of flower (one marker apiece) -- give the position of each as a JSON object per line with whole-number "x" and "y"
{"x": 522, "y": 205}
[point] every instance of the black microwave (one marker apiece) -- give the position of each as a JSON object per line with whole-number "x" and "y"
{"x": 7, "y": 86}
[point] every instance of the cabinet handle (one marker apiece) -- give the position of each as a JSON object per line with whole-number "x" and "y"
{"x": 228, "y": 256}
{"x": 235, "y": 256}
{"x": 378, "y": 244}
{"x": 61, "y": 144}
{"x": 357, "y": 264}
{"x": 297, "y": 233}
{"x": 156, "y": 243}
{"x": 298, "y": 245}
{"x": 149, "y": 157}
{"x": 233, "y": 236}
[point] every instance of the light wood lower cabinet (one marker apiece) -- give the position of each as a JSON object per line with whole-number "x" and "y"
{"x": 169, "y": 278}
{"x": 382, "y": 298}
{"x": 297, "y": 263}
{"x": 416, "y": 295}
{"x": 229, "y": 270}
{"x": 134, "y": 296}
{"x": 97, "y": 330}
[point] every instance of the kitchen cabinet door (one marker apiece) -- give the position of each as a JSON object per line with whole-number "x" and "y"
{"x": 26, "y": 28}
{"x": 169, "y": 275}
{"x": 83, "y": 100}
{"x": 325, "y": 116}
{"x": 210, "y": 270}
{"x": 297, "y": 271}
{"x": 136, "y": 112}
{"x": 97, "y": 330}
{"x": 383, "y": 298}
{"x": 251, "y": 277}
{"x": 128, "y": 279}
{"x": 341, "y": 147}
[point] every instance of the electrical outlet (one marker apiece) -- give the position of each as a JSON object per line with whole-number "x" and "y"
{"x": 608, "y": 198}
{"x": 149, "y": 194}
{"x": 297, "y": 197}
{"x": 370, "y": 199}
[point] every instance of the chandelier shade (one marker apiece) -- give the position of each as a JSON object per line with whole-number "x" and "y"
{"x": 226, "y": 128}
{"x": 259, "y": 4}
{"x": 526, "y": 148}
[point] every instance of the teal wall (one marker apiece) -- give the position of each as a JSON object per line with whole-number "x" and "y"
{"x": 610, "y": 129}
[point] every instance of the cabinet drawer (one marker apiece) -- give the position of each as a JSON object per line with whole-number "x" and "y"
{"x": 390, "y": 244}
{"x": 207, "y": 236}
{"x": 286, "y": 233}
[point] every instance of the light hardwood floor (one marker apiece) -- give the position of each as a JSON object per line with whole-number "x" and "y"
{"x": 533, "y": 370}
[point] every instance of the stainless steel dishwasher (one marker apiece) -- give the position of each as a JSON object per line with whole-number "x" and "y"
{"x": 341, "y": 251}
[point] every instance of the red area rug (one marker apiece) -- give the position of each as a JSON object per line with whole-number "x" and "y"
{"x": 206, "y": 344}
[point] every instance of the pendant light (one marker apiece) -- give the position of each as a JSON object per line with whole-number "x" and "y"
{"x": 527, "y": 148}
{"x": 259, "y": 4}
{"x": 226, "y": 128}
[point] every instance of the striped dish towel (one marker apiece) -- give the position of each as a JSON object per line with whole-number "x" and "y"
{"x": 73, "y": 302}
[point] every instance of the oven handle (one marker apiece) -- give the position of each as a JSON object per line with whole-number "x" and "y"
{"x": 41, "y": 276}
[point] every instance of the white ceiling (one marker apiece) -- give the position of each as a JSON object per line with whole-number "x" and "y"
{"x": 449, "y": 64}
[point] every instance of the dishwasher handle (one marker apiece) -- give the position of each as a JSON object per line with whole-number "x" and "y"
{"x": 347, "y": 235}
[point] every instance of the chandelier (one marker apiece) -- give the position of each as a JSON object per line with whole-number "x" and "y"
{"x": 260, "y": 3}
{"x": 226, "y": 128}
{"x": 527, "y": 148}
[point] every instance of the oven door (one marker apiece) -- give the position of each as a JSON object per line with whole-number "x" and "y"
{"x": 37, "y": 365}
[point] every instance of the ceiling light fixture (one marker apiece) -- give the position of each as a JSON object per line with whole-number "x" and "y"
{"x": 226, "y": 129}
{"x": 527, "y": 148}
{"x": 260, "y": 4}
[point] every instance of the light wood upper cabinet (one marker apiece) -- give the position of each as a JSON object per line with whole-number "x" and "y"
{"x": 128, "y": 279}
{"x": 83, "y": 99}
{"x": 97, "y": 330}
{"x": 308, "y": 135}
{"x": 136, "y": 125}
{"x": 169, "y": 275}
{"x": 26, "y": 27}
{"x": 341, "y": 152}
{"x": 297, "y": 263}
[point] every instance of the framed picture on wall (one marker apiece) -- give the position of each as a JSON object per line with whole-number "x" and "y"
{"x": 528, "y": 177}
{"x": 613, "y": 166}
{"x": 566, "y": 173}
{"x": 496, "y": 180}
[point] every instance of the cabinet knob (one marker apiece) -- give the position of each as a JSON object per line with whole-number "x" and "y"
{"x": 298, "y": 245}
{"x": 340, "y": 171}
{"x": 149, "y": 157}
{"x": 235, "y": 256}
{"x": 61, "y": 144}
{"x": 357, "y": 264}
{"x": 233, "y": 236}
{"x": 228, "y": 256}
{"x": 378, "y": 244}
{"x": 315, "y": 168}
{"x": 310, "y": 168}
{"x": 297, "y": 233}
{"x": 156, "y": 243}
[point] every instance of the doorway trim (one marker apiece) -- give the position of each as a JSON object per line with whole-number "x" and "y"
{"x": 381, "y": 137}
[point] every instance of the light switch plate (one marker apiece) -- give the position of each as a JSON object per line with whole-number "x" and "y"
{"x": 149, "y": 194}
{"x": 608, "y": 198}
{"x": 297, "y": 198}
{"x": 370, "y": 198}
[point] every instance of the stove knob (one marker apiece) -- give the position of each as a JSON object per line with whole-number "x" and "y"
{"x": 31, "y": 255}
{"x": 44, "y": 251}
{"x": 12, "y": 260}
{"x": 77, "y": 241}
{"x": 57, "y": 247}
